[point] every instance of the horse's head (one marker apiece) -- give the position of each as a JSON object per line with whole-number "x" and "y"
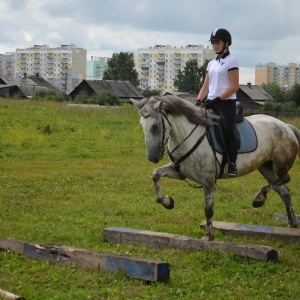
{"x": 157, "y": 115}
{"x": 153, "y": 127}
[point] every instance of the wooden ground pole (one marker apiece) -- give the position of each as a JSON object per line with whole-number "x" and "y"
{"x": 279, "y": 233}
{"x": 167, "y": 240}
{"x": 280, "y": 217}
{"x": 135, "y": 267}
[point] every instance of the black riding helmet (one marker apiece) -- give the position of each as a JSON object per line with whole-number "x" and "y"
{"x": 221, "y": 34}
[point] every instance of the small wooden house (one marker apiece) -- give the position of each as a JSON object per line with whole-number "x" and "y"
{"x": 124, "y": 89}
{"x": 252, "y": 96}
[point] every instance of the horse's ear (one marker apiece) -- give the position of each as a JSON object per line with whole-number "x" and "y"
{"x": 135, "y": 102}
{"x": 139, "y": 103}
{"x": 157, "y": 106}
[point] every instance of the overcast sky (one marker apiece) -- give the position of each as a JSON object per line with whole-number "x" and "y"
{"x": 262, "y": 30}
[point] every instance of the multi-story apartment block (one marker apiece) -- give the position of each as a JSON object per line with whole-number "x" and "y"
{"x": 158, "y": 66}
{"x": 7, "y": 65}
{"x": 96, "y": 67}
{"x": 64, "y": 67}
{"x": 283, "y": 75}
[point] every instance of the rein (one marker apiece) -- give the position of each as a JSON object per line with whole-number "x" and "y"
{"x": 197, "y": 144}
{"x": 185, "y": 156}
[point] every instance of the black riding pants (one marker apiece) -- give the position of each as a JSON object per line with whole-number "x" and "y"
{"x": 227, "y": 109}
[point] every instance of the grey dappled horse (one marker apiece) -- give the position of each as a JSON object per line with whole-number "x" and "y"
{"x": 183, "y": 126}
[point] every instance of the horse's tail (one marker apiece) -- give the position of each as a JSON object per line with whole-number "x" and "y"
{"x": 297, "y": 135}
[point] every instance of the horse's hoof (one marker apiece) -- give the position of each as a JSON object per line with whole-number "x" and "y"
{"x": 259, "y": 200}
{"x": 207, "y": 238}
{"x": 168, "y": 202}
{"x": 293, "y": 226}
{"x": 257, "y": 204}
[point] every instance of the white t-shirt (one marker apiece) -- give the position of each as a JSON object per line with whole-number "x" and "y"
{"x": 218, "y": 75}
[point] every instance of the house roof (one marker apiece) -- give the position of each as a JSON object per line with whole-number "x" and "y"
{"x": 20, "y": 90}
{"x": 254, "y": 92}
{"x": 28, "y": 91}
{"x": 41, "y": 82}
{"x": 27, "y": 86}
{"x": 16, "y": 81}
{"x": 124, "y": 89}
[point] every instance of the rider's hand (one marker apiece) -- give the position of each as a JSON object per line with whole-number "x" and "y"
{"x": 211, "y": 104}
{"x": 198, "y": 103}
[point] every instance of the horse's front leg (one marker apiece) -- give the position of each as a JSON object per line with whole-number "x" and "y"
{"x": 209, "y": 194}
{"x": 169, "y": 172}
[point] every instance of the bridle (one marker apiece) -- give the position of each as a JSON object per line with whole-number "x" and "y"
{"x": 186, "y": 155}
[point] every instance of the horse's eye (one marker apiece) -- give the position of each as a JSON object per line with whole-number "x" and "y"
{"x": 155, "y": 126}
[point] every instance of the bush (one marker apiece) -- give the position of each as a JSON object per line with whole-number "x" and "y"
{"x": 45, "y": 94}
{"x": 101, "y": 98}
{"x": 82, "y": 98}
{"x": 106, "y": 98}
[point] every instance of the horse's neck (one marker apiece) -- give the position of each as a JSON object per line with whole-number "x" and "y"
{"x": 181, "y": 129}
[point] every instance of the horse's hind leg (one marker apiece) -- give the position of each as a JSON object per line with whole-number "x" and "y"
{"x": 267, "y": 171}
{"x": 284, "y": 193}
{"x": 165, "y": 171}
{"x": 277, "y": 184}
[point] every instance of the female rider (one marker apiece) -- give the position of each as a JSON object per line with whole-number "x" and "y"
{"x": 220, "y": 86}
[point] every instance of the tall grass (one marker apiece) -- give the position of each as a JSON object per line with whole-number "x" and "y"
{"x": 68, "y": 172}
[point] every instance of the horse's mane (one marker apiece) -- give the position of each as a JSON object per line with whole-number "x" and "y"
{"x": 176, "y": 106}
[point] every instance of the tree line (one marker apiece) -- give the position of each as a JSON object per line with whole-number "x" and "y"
{"x": 191, "y": 78}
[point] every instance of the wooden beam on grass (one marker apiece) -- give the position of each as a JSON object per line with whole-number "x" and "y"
{"x": 134, "y": 267}
{"x": 278, "y": 233}
{"x": 280, "y": 217}
{"x": 167, "y": 240}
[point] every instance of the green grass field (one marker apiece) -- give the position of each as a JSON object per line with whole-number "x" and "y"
{"x": 68, "y": 172}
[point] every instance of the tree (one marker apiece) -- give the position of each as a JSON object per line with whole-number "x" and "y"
{"x": 275, "y": 91}
{"x": 188, "y": 80}
{"x": 202, "y": 72}
{"x": 293, "y": 94}
{"x": 121, "y": 67}
{"x": 150, "y": 92}
{"x": 191, "y": 78}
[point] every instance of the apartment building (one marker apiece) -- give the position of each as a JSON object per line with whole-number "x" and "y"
{"x": 7, "y": 65}
{"x": 283, "y": 75}
{"x": 96, "y": 67}
{"x": 158, "y": 66}
{"x": 64, "y": 67}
